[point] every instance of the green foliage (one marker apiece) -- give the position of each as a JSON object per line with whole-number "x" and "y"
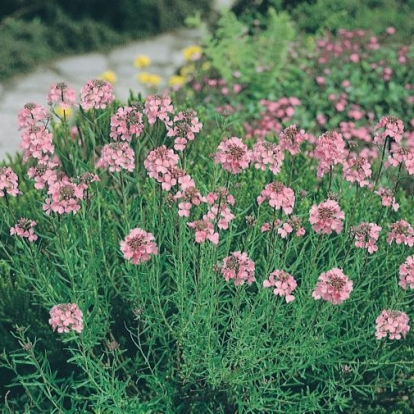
{"x": 257, "y": 58}
{"x": 375, "y": 15}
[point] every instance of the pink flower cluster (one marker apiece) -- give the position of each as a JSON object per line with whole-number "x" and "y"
{"x": 293, "y": 224}
{"x": 36, "y": 139}
{"x": 366, "y": 235}
{"x": 357, "y": 169}
{"x": 126, "y": 123}
{"x": 24, "y": 228}
{"x": 61, "y": 94}
{"x": 185, "y": 126}
{"x": 65, "y": 197}
{"x": 327, "y": 217}
{"x": 284, "y": 284}
{"x": 407, "y": 273}
{"x": 402, "y": 232}
{"x": 279, "y": 196}
{"x": 387, "y": 198}
{"x": 8, "y": 182}
{"x": 333, "y": 286}
{"x": 238, "y": 267}
{"x": 291, "y": 138}
{"x": 233, "y": 155}
{"x": 204, "y": 230}
{"x": 402, "y": 156}
{"x": 158, "y": 107}
{"x": 97, "y": 94}
{"x": 388, "y": 126}
{"x": 392, "y": 323}
{"x": 267, "y": 154}
{"x": 276, "y": 113}
{"x": 117, "y": 156}
{"x": 43, "y": 173}
{"x": 138, "y": 246}
{"x": 329, "y": 150}
{"x": 160, "y": 164}
{"x": 66, "y": 317}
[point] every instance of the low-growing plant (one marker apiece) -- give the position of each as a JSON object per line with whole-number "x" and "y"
{"x": 183, "y": 267}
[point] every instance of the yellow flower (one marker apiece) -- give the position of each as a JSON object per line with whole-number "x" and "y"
{"x": 176, "y": 81}
{"x": 206, "y": 66}
{"x": 149, "y": 79}
{"x": 187, "y": 70}
{"x": 61, "y": 113}
{"x": 109, "y": 76}
{"x": 142, "y": 61}
{"x": 192, "y": 53}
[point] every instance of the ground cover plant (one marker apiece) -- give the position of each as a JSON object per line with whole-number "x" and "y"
{"x": 219, "y": 249}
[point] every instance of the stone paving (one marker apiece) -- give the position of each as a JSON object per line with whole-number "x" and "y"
{"x": 165, "y": 52}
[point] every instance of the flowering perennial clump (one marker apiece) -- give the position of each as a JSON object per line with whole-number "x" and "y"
{"x": 238, "y": 267}
{"x": 138, "y": 246}
{"x": 392, "y": 323}
{"x": 284, "y": 284}
{"x": 333, "y": 286}
{"x": 66, "y": 317}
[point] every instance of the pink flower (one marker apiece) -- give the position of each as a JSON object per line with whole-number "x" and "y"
{"x": 233, "y": 155}
{"x": 204, "y": 230}
{"x": 97, "y": 94}
{"x": 126, "y": 123}
{"x": 65, "y": 197}
{"x": 387, "y": 199}
{"x": 393, "y": 323}
{"x": 186, "y": 125}
{"x": 8, "y": 182}
{"x": 402, "y": 232}
{"x": 357, "y": 169}
{"x": 159, "y": 165}
{"x": 279, "y": 196}
{"x": 327, "y": 217}
{"x": 190, "y": 196}
{"x": 293, "y": 224}
{"x": 138, "y": 246}
{"x": 267, "y": 154}
{"x": 284, "y": 284}
{"x": 37, "y": 142}
{"x": 238, "y": 267}
{"x": 32, "y": 114}
{"x": 390, "y": 30}
{"x": 24, "y": 228}
{"x": 117, "y": 156}
{"x": 333, "y": 286}
{"x": 388, "y": 126}
{"x": 366, "y": 235}
{"x": 404, "y": 156}
{"x": 43, "y": 173}
{"x": 329, "y": 150}
{"x": 61, "y": 94}
{"x": 407, "y": 273}
{"x": 291, "y": 138}
{"x": 158, "y": 107}
{"x": 66, "y": 317}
